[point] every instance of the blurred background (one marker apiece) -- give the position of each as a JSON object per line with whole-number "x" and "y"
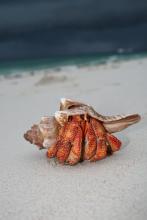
{"x": 60, "y": 30}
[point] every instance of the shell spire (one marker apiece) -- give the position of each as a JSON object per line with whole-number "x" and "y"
{"x": 43, "y": 134}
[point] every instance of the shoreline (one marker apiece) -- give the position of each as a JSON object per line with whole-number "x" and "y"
{"x": 22, "y": 67}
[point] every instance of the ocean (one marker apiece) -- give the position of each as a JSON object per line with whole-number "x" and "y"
{"x": 32, "y": 66}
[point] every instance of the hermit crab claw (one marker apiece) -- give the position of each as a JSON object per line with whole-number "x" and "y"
{"x": 77, "y": 132}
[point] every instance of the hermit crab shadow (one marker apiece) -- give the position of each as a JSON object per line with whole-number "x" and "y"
{"x": 124, "y": 139}
{"x": 34, "y": 156}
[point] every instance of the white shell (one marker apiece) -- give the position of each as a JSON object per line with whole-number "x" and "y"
{"x": 49, "y": 129}
{"x": 112, "y": 124}
{"x": 45, "y": 133}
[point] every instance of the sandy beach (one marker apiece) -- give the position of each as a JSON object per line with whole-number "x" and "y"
{"x": 34, "y": 188}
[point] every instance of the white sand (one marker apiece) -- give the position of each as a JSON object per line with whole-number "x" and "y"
{"x": 31, "y": 187}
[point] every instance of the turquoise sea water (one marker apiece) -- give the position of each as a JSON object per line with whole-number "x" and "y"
{"x": 30, "y": 66}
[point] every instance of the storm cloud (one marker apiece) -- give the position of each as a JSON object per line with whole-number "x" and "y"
{"x": 42, "y": 28}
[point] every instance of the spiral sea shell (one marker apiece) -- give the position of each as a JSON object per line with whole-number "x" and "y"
{"x": 77, "y": 132}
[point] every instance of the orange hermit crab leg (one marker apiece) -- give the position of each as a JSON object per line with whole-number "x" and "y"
{"x": 114, "y": 142}
{"x": 100, "y": 132}
{"x": 63, "y": 151}
{"x": 98, "y": 128}
{"x": 90, "y": 142}
{"x": 76, "y": 149}
{"x": 52, "y": 150}
{"x": 64, "y": 143}
{"x": 101, "y": 151}
{"x": 63, "y": 146}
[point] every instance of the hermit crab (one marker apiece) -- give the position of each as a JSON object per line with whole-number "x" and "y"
{"x": 77, "y": 132}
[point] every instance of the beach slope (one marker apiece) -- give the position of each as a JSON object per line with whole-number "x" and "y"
{"x": 32, "y": 187}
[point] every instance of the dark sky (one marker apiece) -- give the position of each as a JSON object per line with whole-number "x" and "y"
{"x": 42, "y": 28}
